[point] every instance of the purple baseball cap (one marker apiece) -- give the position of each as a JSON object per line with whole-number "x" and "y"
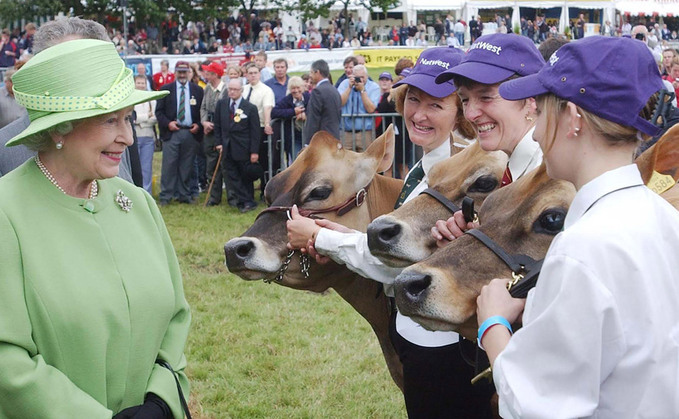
{"x": 431, "y": 63}
{"x": 406, "y": 71}
{"x": 385, "y": 75}
{"x": 494, "y": 58}
{"x": 595, "y": 74}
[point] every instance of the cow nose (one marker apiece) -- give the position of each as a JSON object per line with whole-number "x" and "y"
{"x": 237, "y": 252}
{"x": 383, "y": 234}
{"x": 413, "y": 286}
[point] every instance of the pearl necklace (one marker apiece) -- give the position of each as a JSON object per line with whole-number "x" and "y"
{"x": 94, "y": 188}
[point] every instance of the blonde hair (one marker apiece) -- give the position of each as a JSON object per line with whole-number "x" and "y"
{"x": 464, "y": 127}
{"x": 615, "y": 134}
{"x": 234, "y": 67}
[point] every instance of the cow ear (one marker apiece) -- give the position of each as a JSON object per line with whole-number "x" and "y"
{"x": 382, "y": 150}
{"x": 662, "y": 157}
{"x": 667, "y": 155}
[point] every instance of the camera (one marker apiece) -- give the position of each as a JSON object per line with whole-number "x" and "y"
{"x": 358, "y": 79}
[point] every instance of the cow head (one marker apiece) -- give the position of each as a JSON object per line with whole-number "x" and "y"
{"x": 323, "y": 175}
{"x": 440, "y": 292}
{"x": 404, "y": 236}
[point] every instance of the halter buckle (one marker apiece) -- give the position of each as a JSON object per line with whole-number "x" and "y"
{"x": 516, "y": 277}
{"x": 360, "y": 197}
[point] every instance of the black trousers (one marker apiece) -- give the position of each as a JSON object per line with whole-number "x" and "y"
{"x": 437, "y": 381}
{"x": 211, "y": 157}
{"x": 243, "y": 189}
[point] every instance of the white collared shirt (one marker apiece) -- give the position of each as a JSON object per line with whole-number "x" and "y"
{"x": 601, "y": 328}
{"x": 262, "y": 96}
{"x": 526, "y": 156}
{"x": 351, "y": 249}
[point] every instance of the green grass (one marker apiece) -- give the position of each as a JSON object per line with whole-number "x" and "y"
{"x": 265, "y": 351}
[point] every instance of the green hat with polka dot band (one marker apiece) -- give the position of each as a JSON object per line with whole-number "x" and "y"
{"x": 74, "y": 80}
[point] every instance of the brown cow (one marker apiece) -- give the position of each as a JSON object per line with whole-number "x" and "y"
{"x": 440, "y": 292}
{"x": 261, "y": 251}
{"x": 523, "y": 217}
{"x": 325, "y": 175}
{"x": 403, "y": 237}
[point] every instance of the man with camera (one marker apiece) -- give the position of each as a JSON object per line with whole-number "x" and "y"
{"x": 359, "y": 95}
{"x": 214, "y": 90}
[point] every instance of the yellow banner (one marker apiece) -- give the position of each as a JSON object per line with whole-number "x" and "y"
{"x": 386, "y": 57}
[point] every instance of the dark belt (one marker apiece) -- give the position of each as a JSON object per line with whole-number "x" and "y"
{"x": 184, "y": 126}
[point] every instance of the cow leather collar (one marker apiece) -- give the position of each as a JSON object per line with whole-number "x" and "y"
{"x": 353, "y": 202}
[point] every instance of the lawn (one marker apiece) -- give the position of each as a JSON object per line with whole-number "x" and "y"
{"x": 265, "y": 351}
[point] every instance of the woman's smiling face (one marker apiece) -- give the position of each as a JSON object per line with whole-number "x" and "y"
{"x": 429, "y": 120}
{"x": 94, "y": 149}
{"x": 499, "y": 123}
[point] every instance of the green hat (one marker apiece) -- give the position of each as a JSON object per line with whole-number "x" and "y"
{"x": 74, "y": 80}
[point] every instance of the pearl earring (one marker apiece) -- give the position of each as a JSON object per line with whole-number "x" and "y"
{"x": 577, "y": 129}
{"x": 59, "y": 145}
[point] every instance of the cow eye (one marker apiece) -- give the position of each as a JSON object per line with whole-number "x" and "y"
{"x": 483, "y": 184}
{"x": 319, "y": 194}
{"x": 550, "y": 222}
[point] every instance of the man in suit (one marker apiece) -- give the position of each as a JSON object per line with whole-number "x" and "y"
{"x": 325, "y": 104}
{"x": 237, "y": 130}
{"x": 178, "y": 117}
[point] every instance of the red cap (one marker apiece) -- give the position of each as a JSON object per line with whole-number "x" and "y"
{"x": 214, "y": 67}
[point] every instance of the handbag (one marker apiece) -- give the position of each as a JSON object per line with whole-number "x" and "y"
{"x": 185, "y": 405}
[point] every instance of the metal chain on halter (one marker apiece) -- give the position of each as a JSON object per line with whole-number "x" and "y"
{"x": 303, "y": 263}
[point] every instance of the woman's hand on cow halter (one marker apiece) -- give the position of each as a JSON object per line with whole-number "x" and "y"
{"x": 495, "y": 300}
{"x": 300, "y": 230}
{"x": 448, "y": 230}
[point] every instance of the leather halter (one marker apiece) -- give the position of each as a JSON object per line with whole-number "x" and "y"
{"x": 467, "y": 204}
{"x": 341, "y": 209}
{"x": 523, "y": 267}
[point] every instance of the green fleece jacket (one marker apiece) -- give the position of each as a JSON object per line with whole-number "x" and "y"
{"x": 89, "y": 298}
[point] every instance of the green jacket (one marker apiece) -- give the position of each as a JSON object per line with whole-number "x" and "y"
{"x": 88, "y": 301}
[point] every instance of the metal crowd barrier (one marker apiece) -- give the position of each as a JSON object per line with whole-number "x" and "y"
{"x": 2, "y": 75}
{"x": 405, "y": 157}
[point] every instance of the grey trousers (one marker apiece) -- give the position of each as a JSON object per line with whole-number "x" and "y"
{"x": 179, "y": 153}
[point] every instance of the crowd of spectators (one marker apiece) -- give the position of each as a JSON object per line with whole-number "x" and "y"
{"x": 242, "y": 34}
{"x": 289, "y": 109}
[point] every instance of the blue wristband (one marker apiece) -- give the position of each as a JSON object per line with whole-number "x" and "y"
{"x": 490, "y": 322}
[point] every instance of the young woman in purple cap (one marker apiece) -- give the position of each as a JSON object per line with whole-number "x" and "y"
{"x": 436, "y": 379}
{"x": 600, "y": 336}
{"x": 501, "y": 124}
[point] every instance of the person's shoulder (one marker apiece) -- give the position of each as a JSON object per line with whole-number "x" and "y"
{"x": 14, "y": 182}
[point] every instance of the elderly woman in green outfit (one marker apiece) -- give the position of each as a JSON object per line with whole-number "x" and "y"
{"x": 93, "y": 319}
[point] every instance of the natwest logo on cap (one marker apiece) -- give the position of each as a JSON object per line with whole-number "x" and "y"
{"x": 424, "y": 61}
{"x": 487, "y": 46}
{"x": 553, "y": 59}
